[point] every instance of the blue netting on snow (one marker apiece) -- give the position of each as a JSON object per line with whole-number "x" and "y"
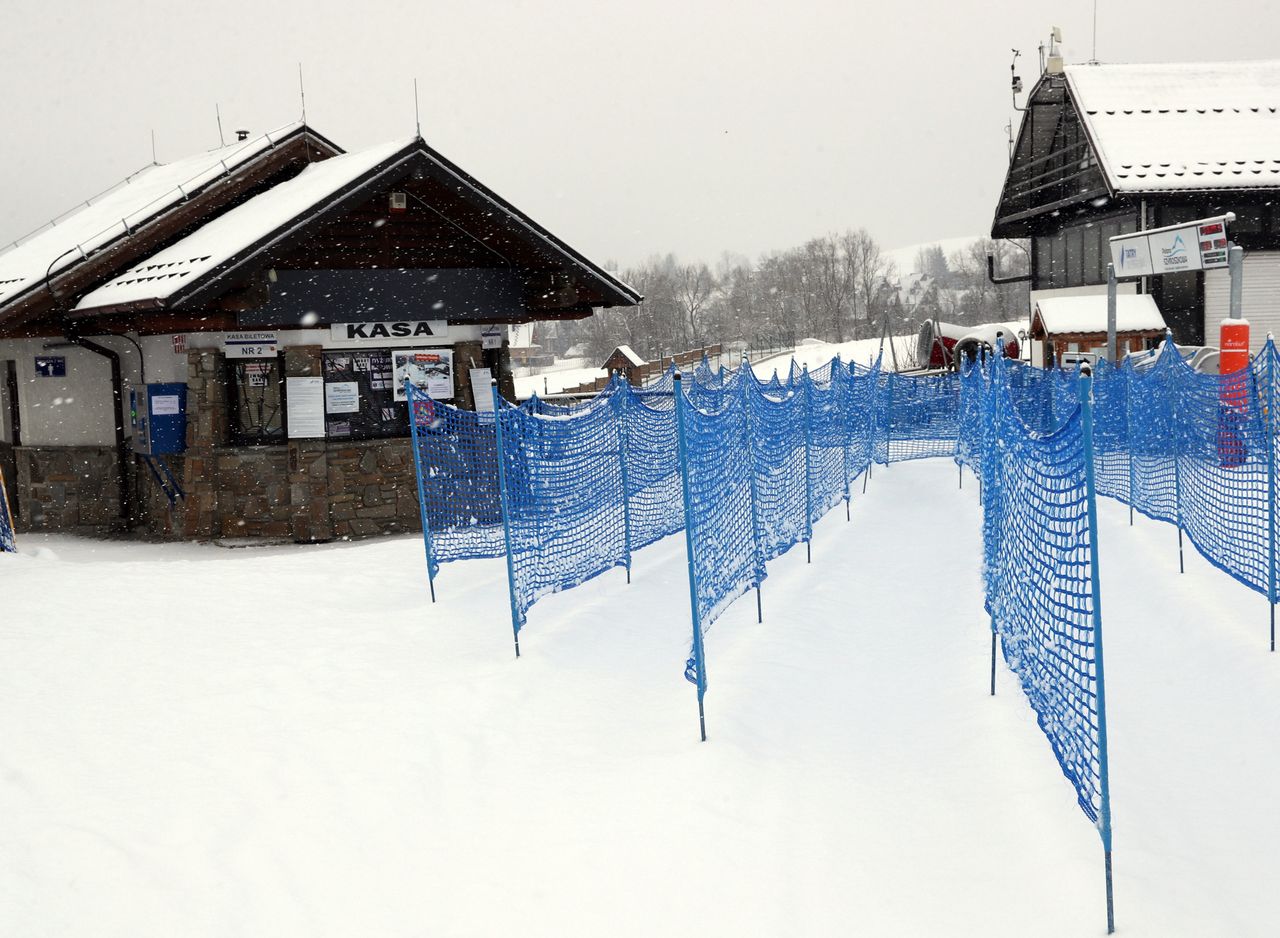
{"x": 566, "y": 514}
{"x": 1038, "y": 546}
{"x": 8, "y": 542}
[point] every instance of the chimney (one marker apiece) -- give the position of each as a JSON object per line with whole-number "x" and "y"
{"x": 242, "y": 134}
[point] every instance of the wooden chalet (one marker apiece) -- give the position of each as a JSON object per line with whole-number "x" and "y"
{"x": 1066, "y": 325}
{"x": 1110, "y": 149}
{"x": 627, "y": 363}
{"x": 234, "y": 275}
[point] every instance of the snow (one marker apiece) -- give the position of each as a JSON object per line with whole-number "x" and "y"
{"x": 294, "y": 741}
{"x": 1206, "y": 125}
{"x": 629, "y": 355}
{"x": 815, "y": 355}
{"x": 102, "y": 220}
{"x": 555, "y": 380}
{"x": 1135, "y": 312}
{"x": 213, "y": 244}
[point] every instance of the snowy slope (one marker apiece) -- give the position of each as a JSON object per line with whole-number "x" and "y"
{"x": 310, "y": 748}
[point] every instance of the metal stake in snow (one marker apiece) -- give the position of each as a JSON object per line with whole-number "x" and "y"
{"x": 1111, "y": 313}
{"x": 409, "y": 394}
{"x": 807, "y": 384}
{"x": 506, "y": 512}
{"x": 747, "y": 444}
{"x": 1104, "y": 779}
{"x": 699, "y": 659}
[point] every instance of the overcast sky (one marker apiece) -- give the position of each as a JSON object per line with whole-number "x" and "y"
{"x": 627, "y": 129}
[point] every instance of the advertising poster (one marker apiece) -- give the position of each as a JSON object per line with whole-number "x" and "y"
{"x": 342, "y": 397}
{"x": 431, "y": 369}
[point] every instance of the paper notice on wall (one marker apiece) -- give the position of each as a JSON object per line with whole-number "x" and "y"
{"x": 342, "y": 397}
{"x": 165, "y": 404}
{"x": 431, "y": 369}
{"x": 480, "y": 389}
{"x": 305, "y": 408}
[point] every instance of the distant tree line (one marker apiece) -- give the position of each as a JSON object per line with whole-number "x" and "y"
{"x": 835, "y": 288}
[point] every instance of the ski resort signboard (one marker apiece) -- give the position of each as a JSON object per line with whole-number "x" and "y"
{"x": 1198, "y": 245}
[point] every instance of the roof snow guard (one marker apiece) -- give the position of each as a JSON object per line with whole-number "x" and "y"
{"x": 1161, "y": 128}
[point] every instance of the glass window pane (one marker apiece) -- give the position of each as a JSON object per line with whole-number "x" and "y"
{"x": 256, "y": 401}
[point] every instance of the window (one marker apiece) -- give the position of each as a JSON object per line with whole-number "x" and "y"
{"x": 255, "y": 402}
{"x": 360, "y": 402}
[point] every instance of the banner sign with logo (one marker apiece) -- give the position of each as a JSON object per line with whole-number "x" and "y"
{"x": 430, "y": 369}
{"x": 1199, "y": 245}
{"x": 348, "y": 332}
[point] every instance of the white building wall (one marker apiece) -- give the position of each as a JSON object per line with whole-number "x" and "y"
{"x": 76, "y": 410}
{"x": 1260, "y": 298}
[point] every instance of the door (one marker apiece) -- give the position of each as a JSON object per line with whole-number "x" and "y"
{"x": 10, "y": 431}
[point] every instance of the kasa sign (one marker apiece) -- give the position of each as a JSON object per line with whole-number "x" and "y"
{"x": 415, "y": 330}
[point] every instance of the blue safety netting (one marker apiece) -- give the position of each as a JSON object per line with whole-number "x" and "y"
{"x": 918, "y": 417}
{"x": 455, "y": 452}
{"x": 1038, "y": 571}
{"x": 8, "y": 542}
{"x": 565, "y": 510}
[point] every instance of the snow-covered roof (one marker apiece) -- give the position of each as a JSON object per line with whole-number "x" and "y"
{"x": 1064, "y": 315}
{"x": 1183, "y": 125}
{"x": 120, "y": 210}
{"x": 626, "y": 352}
{"x": 212, "y": 245}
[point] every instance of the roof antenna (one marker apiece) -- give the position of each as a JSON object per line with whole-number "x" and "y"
{"x": 416, "y": 119}
{"x": 218, "y": 113}
{"x": 1093, "y": 60}
{"x": 302, "y": 94}
{"x": 153, "y": 148}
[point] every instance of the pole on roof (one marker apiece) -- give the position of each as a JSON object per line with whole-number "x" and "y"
{"x": 1111, "y": 313}
{"x": 217, "y": 112}
{"x": 417, "y": 120}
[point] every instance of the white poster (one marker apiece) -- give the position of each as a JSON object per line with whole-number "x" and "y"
{"x": 480, "y": 388}
{"x": 342, "y": 397}
{"x": 305, "y": 408}
{"x": 165, "y": 404}
{"x": 431, "y": 369}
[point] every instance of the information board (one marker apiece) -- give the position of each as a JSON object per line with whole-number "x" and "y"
{"x": 1198, "y": 245}
{"x": 304, "y": 407}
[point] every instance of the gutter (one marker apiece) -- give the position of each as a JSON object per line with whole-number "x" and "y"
{"x": 998, "y": 281}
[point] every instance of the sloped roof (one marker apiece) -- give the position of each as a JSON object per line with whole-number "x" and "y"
{"x": 626, "y": 352}
{"x": 190, "y": 269}
{"x": 1182, "y": 125}
{"x": 1065, "y": 315}
{"x": 119, "y": 211}
{"x": 162, "y": 274}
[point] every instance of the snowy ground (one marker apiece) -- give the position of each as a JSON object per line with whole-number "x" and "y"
{"x": 816, "y": 354}
{"x": 292, "y": 741}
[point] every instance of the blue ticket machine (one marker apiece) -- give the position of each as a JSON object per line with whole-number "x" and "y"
{"x": 159, "y": 417}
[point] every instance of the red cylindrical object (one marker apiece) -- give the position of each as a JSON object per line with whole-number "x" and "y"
{"x": 1234, "y": 390}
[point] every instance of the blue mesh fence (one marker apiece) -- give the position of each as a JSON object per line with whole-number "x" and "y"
{"x": 8, "y": 542}
{"x": 566, "y": 514}
{"x": 1039, "y": 574}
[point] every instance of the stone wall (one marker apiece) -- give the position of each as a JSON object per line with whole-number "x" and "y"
{"x": 372, "y": 489}
{"x": 67, "y": 488}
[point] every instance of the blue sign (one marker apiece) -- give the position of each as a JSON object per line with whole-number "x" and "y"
{"x": 51, "y": 366}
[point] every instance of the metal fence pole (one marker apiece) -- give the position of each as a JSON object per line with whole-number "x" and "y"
{"x": 506, "y": 511}
{"x": 409, "y": 393}
{"x": 1269, "y": 415}
{"x": 807, "y": 384}
{"x": 1128, "y": 433}
{"x": 1169, "y": 349}
{"x": 699, "y": 659}
{"x": 1104, "y": 778}
{"x": 621, "y": 403}
{"x": 844, "y": 388}
{"x": 749, "y": 445}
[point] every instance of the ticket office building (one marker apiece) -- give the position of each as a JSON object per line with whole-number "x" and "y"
{"x": 326, "y": 276}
